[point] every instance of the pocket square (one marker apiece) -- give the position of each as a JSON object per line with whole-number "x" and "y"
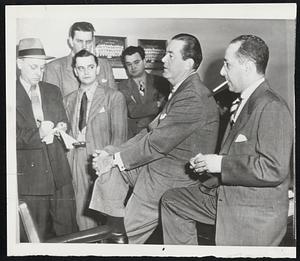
{"x": 104, "y": 80}
{"x": 241, "y": 138}
{"x": 101, "y": 110}
{"x": 162, "y": 116}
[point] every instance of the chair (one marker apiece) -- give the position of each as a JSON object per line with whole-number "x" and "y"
{"x": 93, "y": 235}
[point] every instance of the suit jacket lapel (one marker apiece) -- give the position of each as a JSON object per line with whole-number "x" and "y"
{"x": 23, "y": 104}
{"x": 45, "y": 102}
{"x": 180, "y": 89}
{"x": 97, "y": 102}
{"x": 134, "y": 90}
{"x": 243, "y": 117}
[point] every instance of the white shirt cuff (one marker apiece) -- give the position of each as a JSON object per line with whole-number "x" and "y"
{"x": 118, "y": 161}
{"x": 218, "y": 163}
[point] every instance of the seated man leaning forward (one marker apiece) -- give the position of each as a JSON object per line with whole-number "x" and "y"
{"x": 154, "y": 160}
{"x": 250, "y": 207}
{"x": 98, "y": 118}
{"x": 145, "y": 93}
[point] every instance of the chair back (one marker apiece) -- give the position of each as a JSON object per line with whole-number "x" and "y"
{"x": 28, "y": 223}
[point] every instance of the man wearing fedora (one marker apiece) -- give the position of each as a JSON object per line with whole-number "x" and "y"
{"x": 44, "y": 177}
{"x": 60, "y": 72}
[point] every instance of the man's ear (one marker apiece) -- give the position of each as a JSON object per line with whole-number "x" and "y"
{"x": 75, "y": 71}
{"x": 250, "y": 66}
{"x": 70, "y": 41}
{"x": 97, "y": 70}
{"x": 189, "y": 63}
{"x": 19, "y": 63}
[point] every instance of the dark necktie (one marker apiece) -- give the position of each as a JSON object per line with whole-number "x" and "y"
{"x": 83, "y": 111}
{"x": 233, "y": 109}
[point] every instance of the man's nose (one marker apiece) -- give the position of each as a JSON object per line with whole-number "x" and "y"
{"x": 222, "y": 72}
{"x": 164, "y": 59}
{"x": 84, "y": 45}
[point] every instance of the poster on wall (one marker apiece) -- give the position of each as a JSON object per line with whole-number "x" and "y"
{"x": 154, "y": 52}
{"x": 110, "y": 47}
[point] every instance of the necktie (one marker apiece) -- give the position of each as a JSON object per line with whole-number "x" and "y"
{"x": 233, "y": 110}
{"x": 83, "y": 111}
{"x": 142, "y": 88}
{"x": 36, "y": 105}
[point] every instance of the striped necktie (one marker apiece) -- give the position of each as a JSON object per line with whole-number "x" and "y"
{"x": 233, "y": 110}
{"x": 142, "y": 88}
{"x": 36, "y": 105}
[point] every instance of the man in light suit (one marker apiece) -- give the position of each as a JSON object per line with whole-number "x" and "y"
{"x": 145, "y": 93}
{"x": 154, "y": 160}
{"x": 44, "y": 177}
{"x": 251, "y": 206}
{"x": 98, "y": 118}
{"x": 60, "y": 72}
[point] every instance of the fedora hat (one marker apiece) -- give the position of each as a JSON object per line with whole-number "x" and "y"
{"x": 32, "y": 48}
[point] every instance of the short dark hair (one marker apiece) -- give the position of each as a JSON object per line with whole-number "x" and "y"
{"x": 253, "y": 48}
{"x": 191, "y": 48}
{"x": 81, "y": 26}
{"x": 132, "y": 50}
{"x": 83, "y": 53}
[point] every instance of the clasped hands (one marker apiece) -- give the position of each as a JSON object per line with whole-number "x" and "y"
{"x": 201, "y": 164}
{"x": 47, "y": 128}
{"x": 102, "y": 162}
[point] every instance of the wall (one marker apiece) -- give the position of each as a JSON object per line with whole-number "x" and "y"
{"x": 214, "y": 35}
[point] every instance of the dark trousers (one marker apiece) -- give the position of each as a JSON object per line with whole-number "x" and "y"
{"x": 54, "y": 215}
{"x": 181, "y": 208}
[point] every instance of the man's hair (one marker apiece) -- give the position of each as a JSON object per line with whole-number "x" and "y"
{"x": 83, "y": 53}
{"x": 253, "y": 48}
{"x": 191, "y": 48}
{"x": 132, "y": 50}
{"x": 81, "y": 26}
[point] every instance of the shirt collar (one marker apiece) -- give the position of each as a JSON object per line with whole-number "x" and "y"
{"x": 90, "y": 91}
{"x": 247, "y": 92}
{"x": 142, "y": 78}
{"x": 26, "y": 85}
{"x": 176, "y": 86}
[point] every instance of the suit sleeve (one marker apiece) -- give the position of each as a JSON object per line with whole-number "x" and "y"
{"x": 186, "y": 113}
{"x": 51, "y": 75}
{"x": 270, "y": 165}
{"x": 28, "y": 138}
{"x": 118, "y": 119}
{"x": 62, "y": 115}
{"x": 136, "y": 111}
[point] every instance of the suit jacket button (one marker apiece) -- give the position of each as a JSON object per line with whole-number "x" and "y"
{"x": 47, "y": 171}
{"x": 220, "y": 199}
{"x": 32, "y": 164}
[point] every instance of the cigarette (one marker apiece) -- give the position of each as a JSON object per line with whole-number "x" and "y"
{"x": 219, "y": 87}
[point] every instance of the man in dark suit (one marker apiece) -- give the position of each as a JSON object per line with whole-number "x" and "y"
{"x": 145, "y": 93}
{"x": 154, "y": 160}
{"x": 44, "y": 178}
{"x": 253, "y": 166}
{"x": 60, "y": 72}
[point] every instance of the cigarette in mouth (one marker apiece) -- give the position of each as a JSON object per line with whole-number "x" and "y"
{"x": 219, "y": 87}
